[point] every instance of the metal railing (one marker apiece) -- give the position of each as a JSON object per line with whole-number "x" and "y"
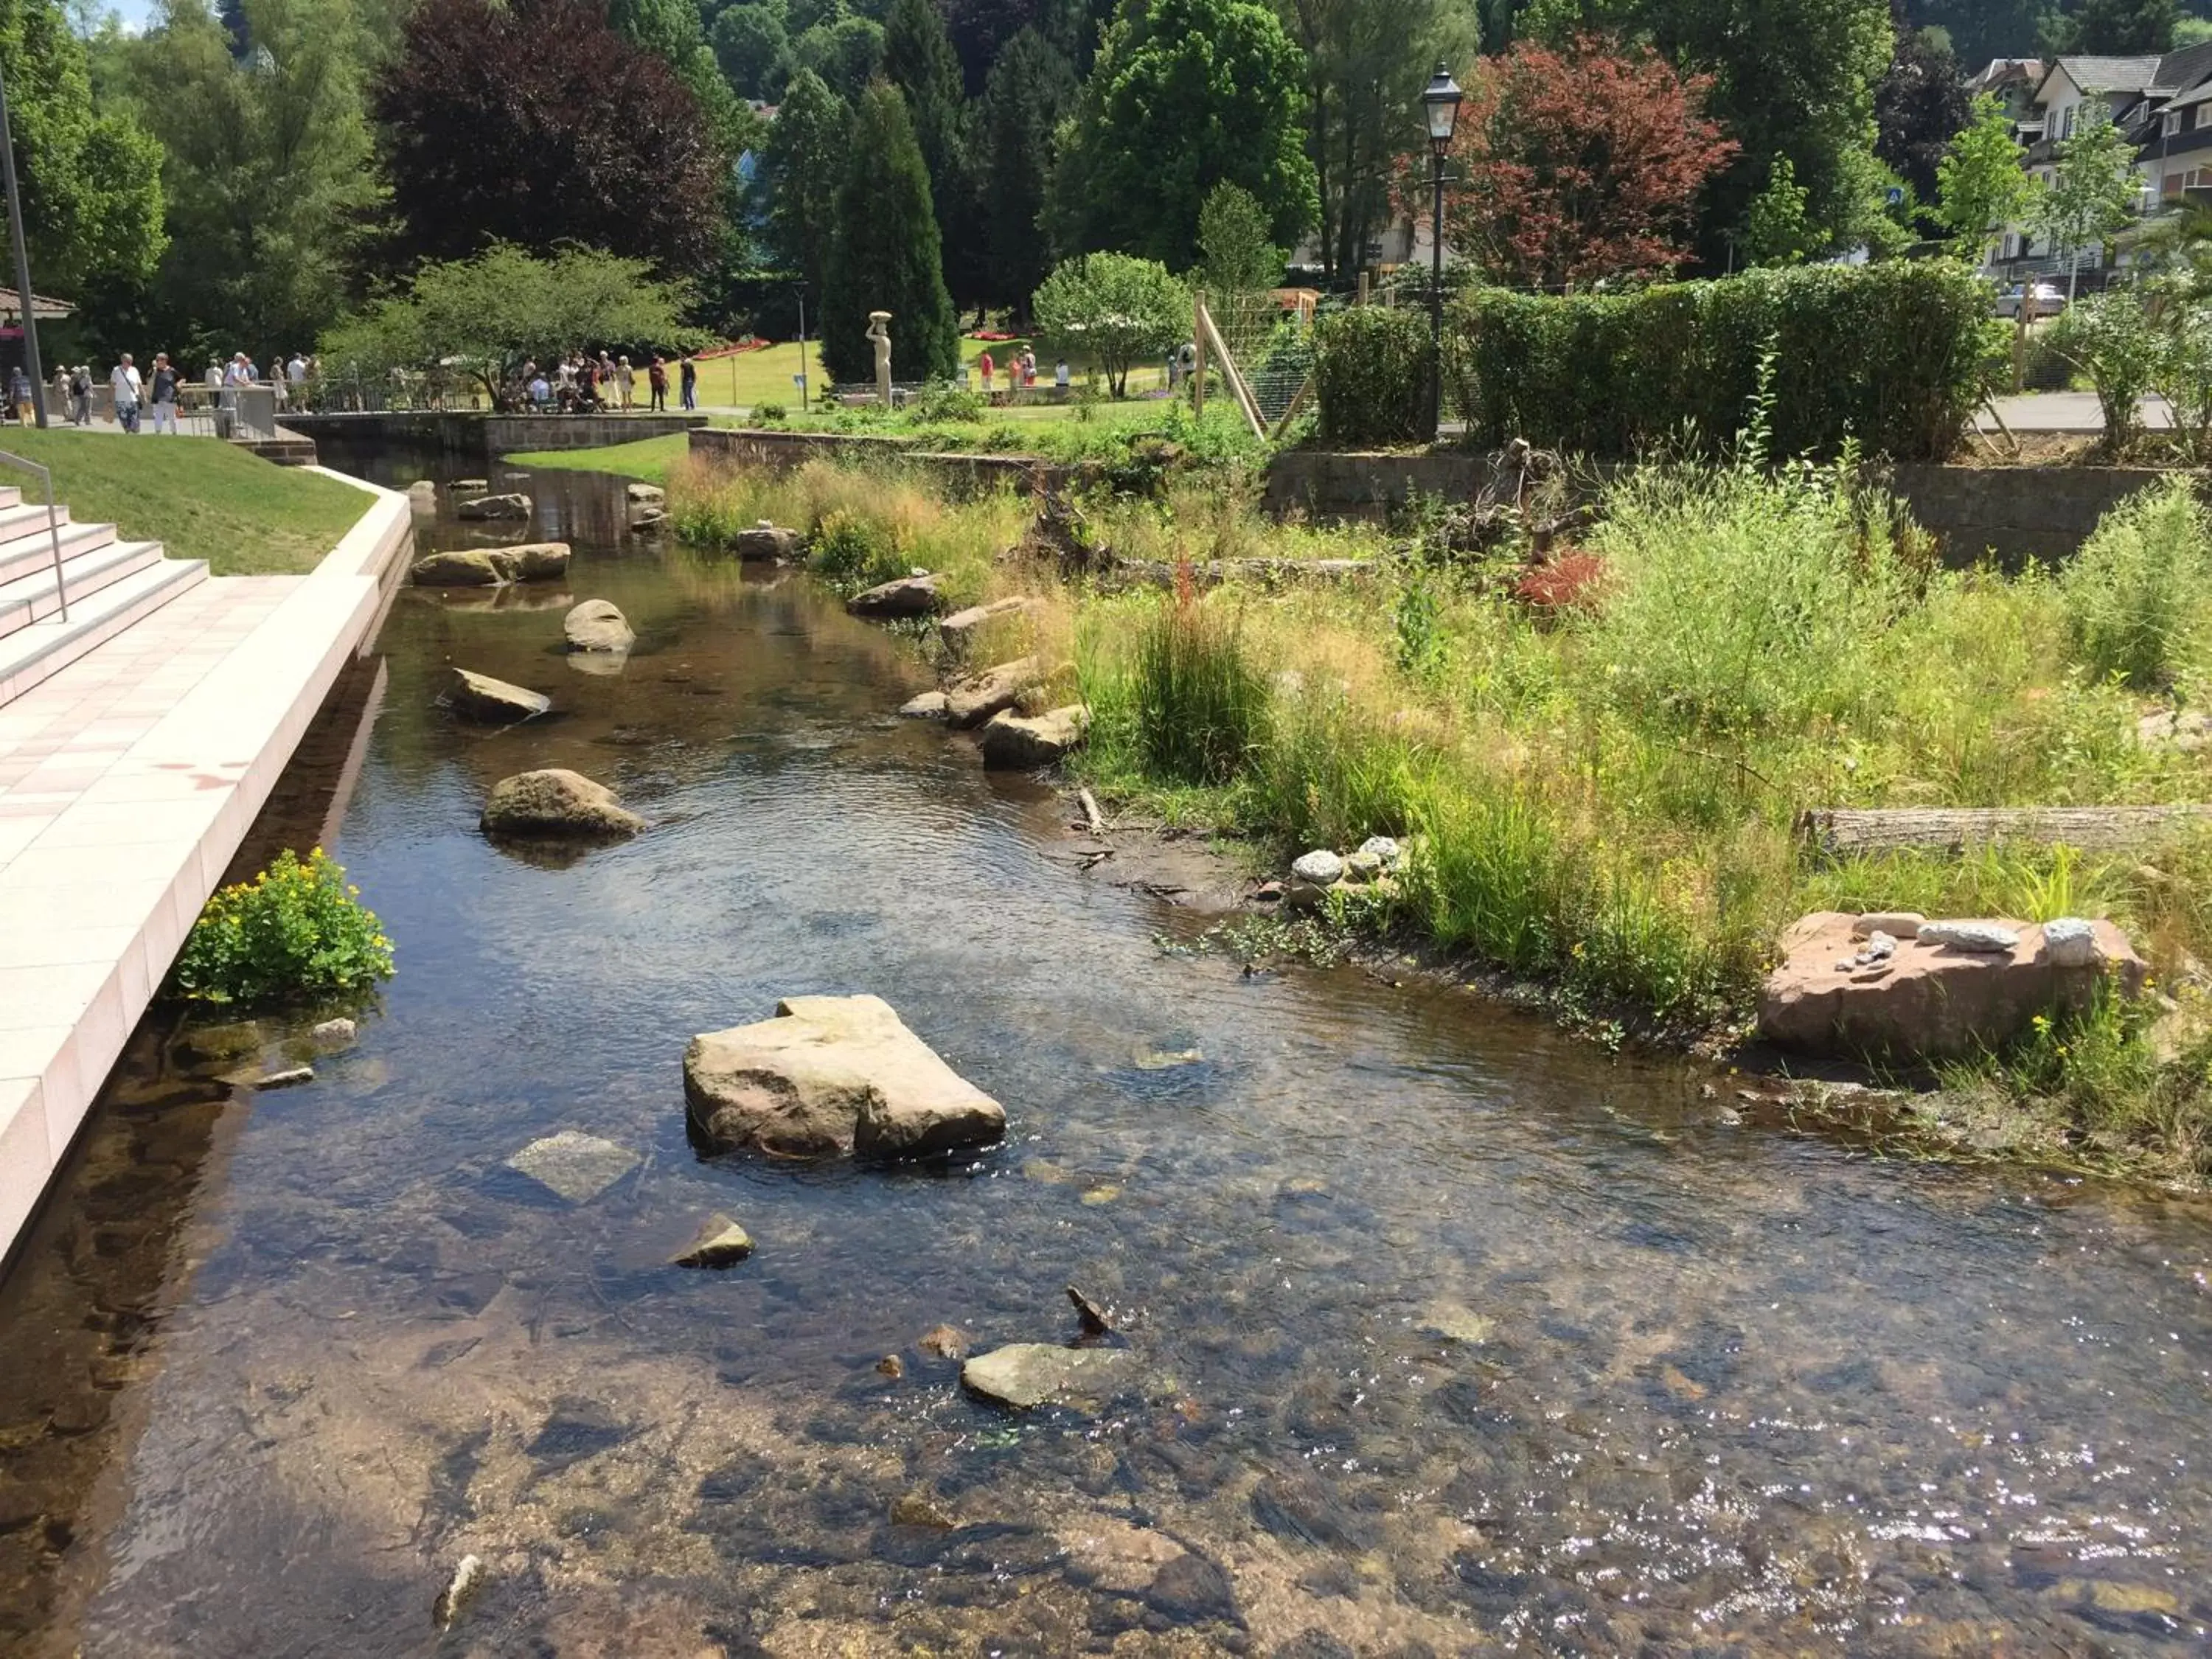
{"x": 53, "y": 522}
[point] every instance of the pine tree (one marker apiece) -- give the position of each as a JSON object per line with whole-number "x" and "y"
{"x": 888, "y": 254}
{"x": 806, "y": 155}
{"x": 918, "y": 60}
{"x": 1029, "y": 87}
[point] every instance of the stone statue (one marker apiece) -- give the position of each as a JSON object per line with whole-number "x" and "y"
{"x": 879, "y": 330}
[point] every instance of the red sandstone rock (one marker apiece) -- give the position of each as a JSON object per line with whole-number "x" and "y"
{"x": 1926, "y": 1002}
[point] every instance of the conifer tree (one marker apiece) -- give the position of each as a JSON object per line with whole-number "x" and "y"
{"x": 888, "y": 255}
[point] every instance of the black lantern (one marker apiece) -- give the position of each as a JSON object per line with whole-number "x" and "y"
{"x": 1440, "y": 104}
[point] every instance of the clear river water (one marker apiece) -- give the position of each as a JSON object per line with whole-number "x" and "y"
{"x": 1456, "y": 1335}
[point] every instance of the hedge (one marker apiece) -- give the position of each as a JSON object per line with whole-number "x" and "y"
{"x": 1372, "y": 376}
{"x": 1890, "y": 353}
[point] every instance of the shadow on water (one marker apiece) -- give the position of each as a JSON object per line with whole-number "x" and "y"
{"x": 1450, "y": 1335}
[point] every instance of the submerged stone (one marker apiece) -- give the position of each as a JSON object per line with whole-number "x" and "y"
{"x": 557, "y": 802}
{"x": 494, "y": 507}
{"x": 597, "y": 625}
{"x": 574, "y": 1165}
{"x": 720, "y": 1242}
{"x": 1030, "y": 1374}
{"x": 492, "y": 703}
{"x": 831, "y": 1075}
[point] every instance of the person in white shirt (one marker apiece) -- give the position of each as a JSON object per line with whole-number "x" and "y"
{"x": 297, "y": 369}
{"x": 126, "y": 383}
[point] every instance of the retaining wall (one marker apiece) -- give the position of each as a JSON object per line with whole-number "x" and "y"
{"x": 466, "y": 433}
{"x": 757, "y": 446}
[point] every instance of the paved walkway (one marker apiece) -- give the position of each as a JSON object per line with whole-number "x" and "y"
{"x": 2074, "y": 414}
{"x": 126, "y": 782}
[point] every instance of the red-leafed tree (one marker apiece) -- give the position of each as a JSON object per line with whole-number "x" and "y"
{"x": 533, "y": 123}
{"x": 1579, "y": 164}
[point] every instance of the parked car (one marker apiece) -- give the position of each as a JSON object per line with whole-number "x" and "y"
{"x": 2048, "y": 300}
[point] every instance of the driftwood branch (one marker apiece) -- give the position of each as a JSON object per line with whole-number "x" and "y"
{"x": 2090, "y": 829}
{"x": 1093, "y": 819}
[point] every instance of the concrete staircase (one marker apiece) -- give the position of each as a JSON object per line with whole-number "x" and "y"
{"x": 111, "y": 584}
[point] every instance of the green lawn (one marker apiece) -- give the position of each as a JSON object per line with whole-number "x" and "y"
{"x": 201, "y": 499}
{"x": 648, "y": 458}
{"x": 764, "y": 376}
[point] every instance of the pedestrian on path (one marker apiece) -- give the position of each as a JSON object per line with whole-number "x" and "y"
{"x": 691, "y": 374}
{"x": 127, "y": 387}
{"x": 656, "y": 379}
{"x": 165, "y": 395}
{"x": 81, "y": 394}
{"x": 625, "y": 378}
{"x": 19, "y": 394}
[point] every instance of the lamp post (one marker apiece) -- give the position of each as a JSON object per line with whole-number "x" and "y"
{"x": 31, "y": 366}
{"x": 1440, "y": 103}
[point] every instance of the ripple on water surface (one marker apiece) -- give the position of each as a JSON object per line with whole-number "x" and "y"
{"x": 1451, "y": 1335}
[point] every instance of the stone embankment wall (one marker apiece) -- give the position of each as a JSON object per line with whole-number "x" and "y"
{"x": 464, "y": 433}
{"x": 2015, "y": 514}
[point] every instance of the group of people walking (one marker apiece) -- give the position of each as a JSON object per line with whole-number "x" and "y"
{"x": 153, "y": 394}
{"x": 582, "y": 383}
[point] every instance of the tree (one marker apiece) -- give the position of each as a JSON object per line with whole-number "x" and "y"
{"x": 1186, "y": 93}
{"x": 2122, "y": 29}
{"x": 1580, "y": 164}
{"x": 91, "y": 182}
{"x": 888, "y": 254}
{"x": 490, "y": 313}
{"x": 590, "y": 140}
{"x": 1981, "y": 185}
{"x": 671, "y": 30}
{"x": 1366, "y": 63}
{"x": 1790, "y": 77}
{"x": 1113, "y": 308}
{"x": 1778, "y": 231}
{"x": 753, "y": 51}
{"x": 1980, "y": 30}
{"x": 918, "y": 60}
{"x": 1918, "y": 108}
{"x": 266, "y": 170}
{"x": 806, "y": 154}
{"x": 1030, "y": 86}
{"x": 846, "y": 51}
{"x": 1236, "y": 256}
{"x": 2092, "y": 195}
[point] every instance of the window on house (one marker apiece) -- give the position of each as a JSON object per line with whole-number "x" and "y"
{"x": 2170, "y": 123}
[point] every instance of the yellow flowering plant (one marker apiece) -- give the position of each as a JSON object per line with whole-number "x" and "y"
{"x": 294, "y": 933}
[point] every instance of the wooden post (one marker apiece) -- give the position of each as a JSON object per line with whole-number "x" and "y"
{"x": 1362, "y": 301}
{"x": 2020, "y": 339}
{"x": 1198, "y": 341}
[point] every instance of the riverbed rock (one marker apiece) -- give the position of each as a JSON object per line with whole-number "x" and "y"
{"x": 492, "y": 703}
{"x": 910, "y": 596}
{"x": 644, "y": 495}
{"x": 959, "y": 630}
{"x": 1321, "y": 867}
{"x": 597, "y": 625}
{"x": 1991, "y": 938}
{"x": 493, "y": 506}
{"x": 929, "y": 706}
{"x": 329, "y": 1036}
{"x": 492, "y": 567}
{"x": 766, "y": 541}
{"x": 1385, "y": 848}
{"x": 422, "y": 495}
{"x": 574, "y": 1165}
{"x": 1929, "y": 1000}
{"x": 1012, "y": 744}
{"x": 971, "y": 701}
{"x": 1028, "y": 1374}
{"x": 945, "y": 1342}
{"x": 831, "y": 1075}
{"x": 471, "y": 486}
{"x": 557, "y": 802}
{"x": 720, "y": 1242}
{"x": 648, "y": 520}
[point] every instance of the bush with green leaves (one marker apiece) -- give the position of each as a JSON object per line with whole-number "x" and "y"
{"x": 1891, "y": 356}
{"x": 941, "y": 400}
{"x": 2110, "y": 337}
{"x": 1371, "y": 375}
{"x": 1114, "y": 308}
{"x": 295, "y": 933}
{"x": 2140, "y": 585}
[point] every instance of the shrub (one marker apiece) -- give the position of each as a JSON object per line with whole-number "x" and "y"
{"x": 850, "y": 553}
{"x": 770, "y": 412}
{"x": 940, "y": 400}
{"x": 2139, "y": 585}
{"x": 1891, "y": 356}
{"x": 1201, "y": 705}
{"x": 2110, "y": 338}
{"x": 294, "y": 933}
{"x": 1371, "y": 374}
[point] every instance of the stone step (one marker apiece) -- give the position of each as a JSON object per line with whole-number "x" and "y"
{"x": 26, "y": 556}
{"x": 32, "y": 654}
{"x": 22, "y": 518}
{"x": 31, "y": 598}
{"x": 9, "y": 496}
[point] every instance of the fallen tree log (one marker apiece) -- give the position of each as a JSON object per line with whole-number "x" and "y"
{"x": 1843, "y": 831}
{"x": 1211, "y": 573}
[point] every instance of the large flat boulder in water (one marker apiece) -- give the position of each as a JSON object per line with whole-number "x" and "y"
{"x": 910, "y": 596}
{"x": 492, "y": 567}
{"x": 831, "y": 1075}
{"x": 557, "y": 802}
{"x": 1953, "y": 990}
{"x": 494, "y": 507}
{"x": 974, "y": 700}
{"x": 492, "y": 703}
{"x": 1029, "y": 1374}
{"x": 1012, "y": 744}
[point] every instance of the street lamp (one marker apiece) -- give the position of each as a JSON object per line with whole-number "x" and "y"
{"x": 1440, "y": 103}
{"x": 22, "y": 263}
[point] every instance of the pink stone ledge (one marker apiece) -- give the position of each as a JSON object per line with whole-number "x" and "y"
{"x": 102, "y": 877}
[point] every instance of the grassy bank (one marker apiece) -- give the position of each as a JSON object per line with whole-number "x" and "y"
{"x": 201, "y": 499}
{"x": 648, "y": 458}
{"x": 1603, "y": 759}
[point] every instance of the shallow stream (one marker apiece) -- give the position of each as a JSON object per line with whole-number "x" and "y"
{"x": 1455, "y": 1336}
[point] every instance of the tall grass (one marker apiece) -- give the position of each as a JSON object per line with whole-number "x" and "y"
{"x": 1202, "y": 706}
{"x": 2141, "y": 585}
